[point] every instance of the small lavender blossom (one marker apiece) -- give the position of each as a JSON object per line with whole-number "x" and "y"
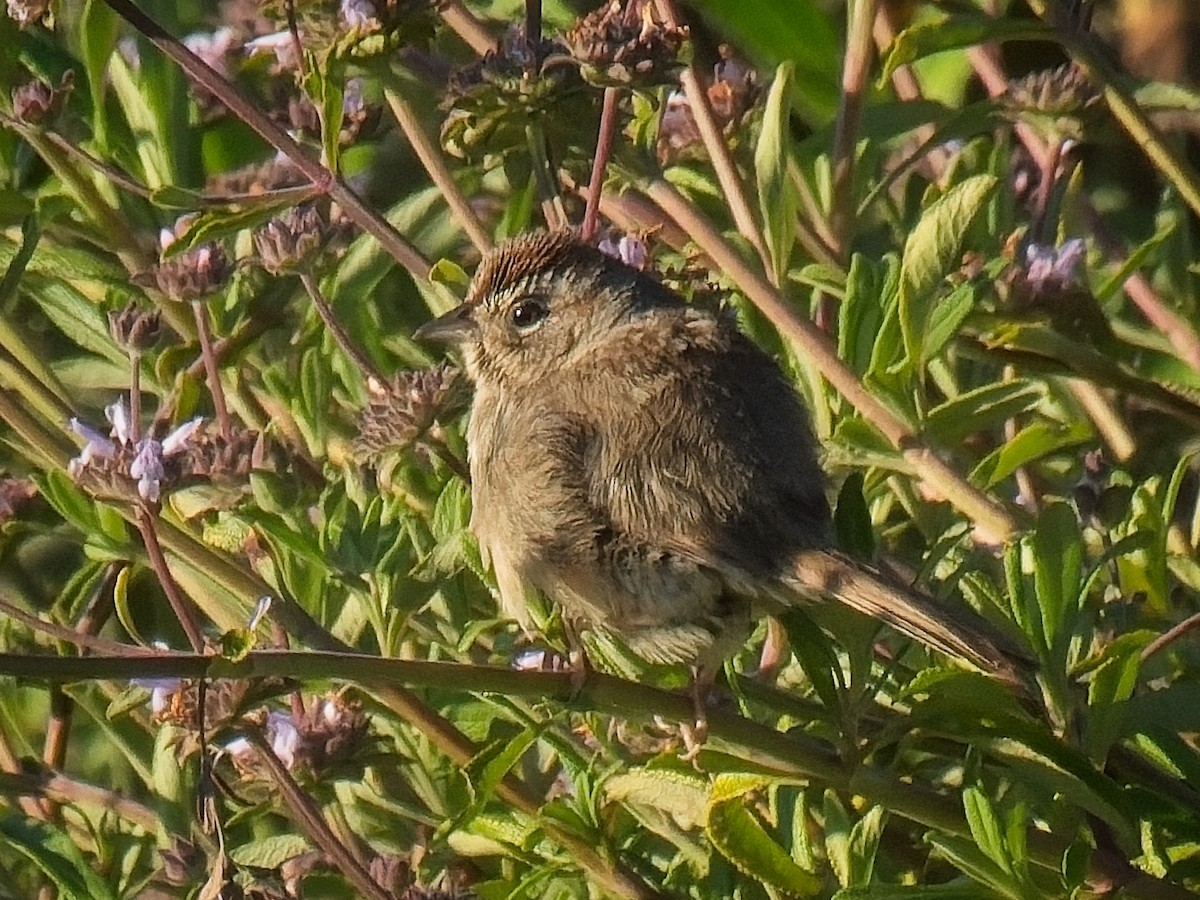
{"x": 360, "y": 14}
{"x": 283, "y": 737}
{"x": 212, "y": 48}
{"x": 177, "y": 441}
{"x": 280, "y": 43}
{"x": 629, "y": 249}
{"x": 118, "y": 417}
{"x": 260, "y": 611}
{"x": 1053, "y": 268}
{"x": 147, "y": 468}
{"x": 97, "y": 447}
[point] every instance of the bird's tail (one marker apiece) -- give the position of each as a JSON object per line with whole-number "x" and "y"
{"x": 961, "y": 634}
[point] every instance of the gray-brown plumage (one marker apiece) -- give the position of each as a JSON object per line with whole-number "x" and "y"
{"x": 648, "y": 468}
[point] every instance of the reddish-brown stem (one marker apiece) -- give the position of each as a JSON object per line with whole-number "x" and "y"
{"x": 305, "y": 813}
{"x": 158, "y": 562}
{"x": 135, "y": 396}
{"x": 210, "y": 368}
{"x": 855, "y": 71}
{"x": 1168, "y": 637}
{"x": 58, "y": 729}
{"x": 604, "y": 141}
{"x": 365, "y": 366}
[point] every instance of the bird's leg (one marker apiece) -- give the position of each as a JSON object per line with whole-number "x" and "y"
{"x": 577, "y": 661}
{"x": 695, "y": 734}
{"x": 774, "y": 651}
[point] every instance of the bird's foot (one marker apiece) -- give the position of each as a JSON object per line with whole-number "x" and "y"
{"x": 695, "y": 734}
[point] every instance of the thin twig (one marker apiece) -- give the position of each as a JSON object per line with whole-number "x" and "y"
{"x": 95, "y": 614}
{"x": 992, "y": 521}
{"x": 304, "y": 812}
{"x": 158, "y": 562}
{"x": 1113, "y": 430}
{"x": 855, "y": 71}
{"x": 434, "y": 163}
{"x": 1168, "y": 637}
{"x": 604, "y": 141}
{"x": 73, "y": 636}
{"x": 463, "y": 23}
{"x": 322, "y": 178}
{"x": 210, "y": 367}
{"x": 365, "y": 366}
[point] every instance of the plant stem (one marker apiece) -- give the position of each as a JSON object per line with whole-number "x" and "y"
{"x": 604, "y": 141}
{"x": 210, "y": 368}
{"x": 304, "y": 812}
{"x": 435, "y": 164}
{"x": 365, "y": 366}
{"x": 158, "y": 562}
{"x": 855, "y": 70}
{"x": 463, "y": 23}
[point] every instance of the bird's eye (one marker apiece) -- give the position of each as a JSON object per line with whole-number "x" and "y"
{"x": 528, "y": 313}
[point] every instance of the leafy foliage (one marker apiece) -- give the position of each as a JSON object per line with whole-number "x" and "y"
{"x": 1008, "y": 406}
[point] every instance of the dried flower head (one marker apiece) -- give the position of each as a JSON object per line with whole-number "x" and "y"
{"x": 1059, "y": 103}
{"x": 36, "y": 102}
{"x": 328, "y": 731}
{"x": 291, "y": 242}
{"x": 734, "y": 86}
{"x": 273, "y": 175}
{"x": 677, "y": 129}
{"x": 134, "y": 329}
{"x": 193, "y": 274}
{"x": 623, "y": 43}
{"x": 183, "y": 862}
{"x": 14, "y": 494}
{"x": 488, "y": 99}
{"x": 27, "y": 12}
{"x": 399, "y": 413}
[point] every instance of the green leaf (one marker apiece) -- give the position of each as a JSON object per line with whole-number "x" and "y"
{"x": 216, "y": 224}
{"x": 852, "y": 519}
{"x": 861, "y": 312}
{"x": 487, "y": 768}
{"x": 681, "y": 795}
{"x": 982, "y": 409}
{"x": 816, "y": 657}
{"x": 74, "y": 315}
{"x": 864, "y": 846}
{"x": 963, "y": 855}
{"x": 742, "y": 840}
{"x": 1033, "y": 442}
{"x": 957, "y": 32}
{"x": 985, "y": 826}
{"x": 932, "y": 251}
{"x": 1058, "y": 573}
{"x": 57, "y": 857}
{"x": 269, "y": 852}
{"x": 777, "y": 201}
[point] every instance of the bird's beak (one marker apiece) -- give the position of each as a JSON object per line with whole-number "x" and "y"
{"x": 455, "y": 327}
